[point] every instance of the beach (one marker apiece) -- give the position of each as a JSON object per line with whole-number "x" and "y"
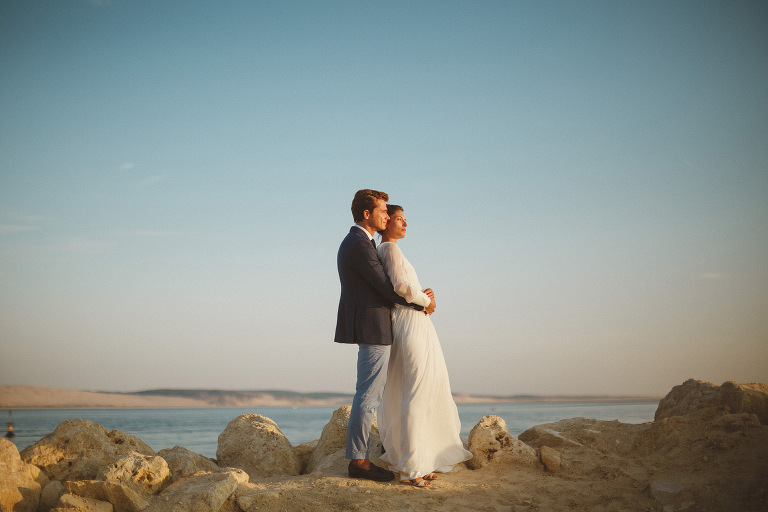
{"x": 705, "y": 450}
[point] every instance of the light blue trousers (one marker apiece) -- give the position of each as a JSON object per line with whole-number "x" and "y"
{"x": 372, "y": 362}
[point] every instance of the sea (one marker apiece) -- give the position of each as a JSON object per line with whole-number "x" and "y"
{"x": 198, "y": 429}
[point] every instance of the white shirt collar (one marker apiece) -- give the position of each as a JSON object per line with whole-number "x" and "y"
{"x": 370, "y": 237}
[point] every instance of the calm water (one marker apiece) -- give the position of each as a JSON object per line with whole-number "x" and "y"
{"x": 198, "y": 429}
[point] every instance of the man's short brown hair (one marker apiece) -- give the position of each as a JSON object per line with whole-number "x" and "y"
{"x": 366, "y": 200}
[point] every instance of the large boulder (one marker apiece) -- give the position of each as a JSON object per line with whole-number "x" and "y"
{"x": 576, "y": 434}
{"x": 204, "y": 492}
{"x": 694, "y": 395}
{"x": 329, "y": 454}
{"x": 20, "y": 483}
{"x": 122, "y": 497}
{"x": 80, "y": 504}
{"x": 143, "y": 473}
{"x": 490, "y": 441}
{"x": 50, "y": 495}
{"x": 183, "y": 462}
{"x": 256, "y": 445}
{"x": 80, "y": 449}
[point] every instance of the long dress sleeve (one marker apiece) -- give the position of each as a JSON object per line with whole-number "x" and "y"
{"x": 395, "y": 265}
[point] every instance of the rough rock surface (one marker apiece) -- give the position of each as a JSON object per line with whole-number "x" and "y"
{"x": 78, "y": 449}
{"x": 80, "y": 504}
{"x": 490, "y": 441}
{"x": 205, "y": 492}
{"x": 694, "y": 395}
{"x": 708, "y": 459}
{"x": 256, "y": 445}
{"x": 120, "y": 495}
{"x": 50, "y": 495}
{"x": 20, "y": 483}
{"x": 550, "y": 458}
{"x": 143, "y": 473}
{"x": 183, "y": 462}
{"x": 575, "y": 433}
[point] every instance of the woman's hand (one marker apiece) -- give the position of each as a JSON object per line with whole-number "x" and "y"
{"x": 432, "y": 305}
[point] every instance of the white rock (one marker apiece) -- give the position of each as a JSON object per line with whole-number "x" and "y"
{"x": 199, "y": 493}
{"x": 256, "y": 445}
{"x": 143, "y": 473}
{"x": 490, "y": 441}
{"x": 183, "y": 462}
{"x": 79, "y": 449}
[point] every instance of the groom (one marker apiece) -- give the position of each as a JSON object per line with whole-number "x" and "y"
{"x": 364, "y": 318}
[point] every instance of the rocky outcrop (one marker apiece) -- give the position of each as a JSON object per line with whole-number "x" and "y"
{"x": 256, "y": 445}
{"x": 704, "y": 456}
{"x": 20, "y": 483}
{"x": 584, "y": 434}
{"x": 490, "y": 441}
{"x": 694, "y": 395}
{"x": 77, "y": 449}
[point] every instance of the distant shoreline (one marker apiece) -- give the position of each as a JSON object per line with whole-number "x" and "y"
{"x": 33, "y": 397}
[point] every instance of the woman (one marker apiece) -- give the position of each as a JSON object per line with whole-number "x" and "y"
{"x": 418, "y": 421}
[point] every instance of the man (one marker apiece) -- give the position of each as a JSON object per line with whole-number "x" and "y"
{"x": 367, "y": 297}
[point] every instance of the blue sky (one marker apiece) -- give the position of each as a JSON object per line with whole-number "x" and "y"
{"x": 586, "y": 185}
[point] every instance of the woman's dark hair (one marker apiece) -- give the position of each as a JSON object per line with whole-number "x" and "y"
{"x": 391, "y": 209}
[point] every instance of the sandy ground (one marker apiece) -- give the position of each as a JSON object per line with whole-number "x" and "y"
{"x": 705, "y": 462}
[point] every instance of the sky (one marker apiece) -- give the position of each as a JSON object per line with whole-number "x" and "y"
{"x": 586, "y": 187}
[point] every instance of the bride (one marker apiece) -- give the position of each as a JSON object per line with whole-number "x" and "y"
{"x": 418, "y": 420}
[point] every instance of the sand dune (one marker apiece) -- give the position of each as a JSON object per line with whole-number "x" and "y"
{"x": 33, "y": 397}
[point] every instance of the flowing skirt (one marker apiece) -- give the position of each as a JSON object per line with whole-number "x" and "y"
{"x": 418, "y": 420}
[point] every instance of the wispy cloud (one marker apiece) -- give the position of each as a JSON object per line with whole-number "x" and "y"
{"x": 9, "y": 228}
{"x": 152, "y": 180}
{"x": 149, "y": 233}
{"x": 78, "y": 244}
{"x": 127, "y": 166}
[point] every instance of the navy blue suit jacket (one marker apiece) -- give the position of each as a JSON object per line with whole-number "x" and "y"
{"x": 367, "y": 295}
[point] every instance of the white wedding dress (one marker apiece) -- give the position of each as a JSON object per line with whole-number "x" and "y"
{"x": 418, "y": 420}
